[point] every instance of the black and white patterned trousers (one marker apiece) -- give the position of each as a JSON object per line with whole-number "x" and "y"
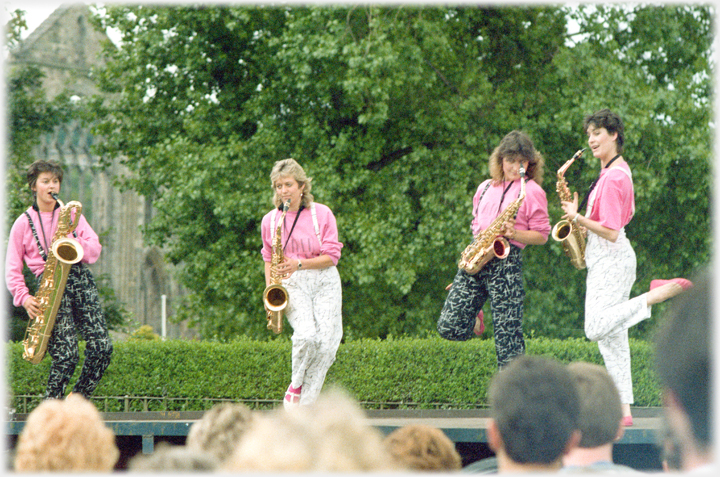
{"x": 501, "y": 282}
{"x": 79, "y": 311}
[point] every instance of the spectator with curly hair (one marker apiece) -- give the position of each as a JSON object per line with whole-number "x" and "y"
{"x": 220, "y": 429}
{"x": 420, "y": 447}
{"x": 330, "y": 435}
{"x": 66, "y": 436}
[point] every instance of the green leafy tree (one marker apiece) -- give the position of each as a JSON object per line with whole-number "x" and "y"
{"x": 394, "y": 111}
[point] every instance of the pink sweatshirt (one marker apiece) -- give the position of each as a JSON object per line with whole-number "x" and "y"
{"x": 303, "y": 241}
{"x": 532, "y": 215}
{"x": 22, "y": 247}
{"x": 612, "y": 202}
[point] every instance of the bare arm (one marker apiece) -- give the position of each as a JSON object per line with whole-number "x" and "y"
{"x": 290, "y": 265}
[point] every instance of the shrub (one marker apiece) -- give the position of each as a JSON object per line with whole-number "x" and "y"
{"x": 392, "y": 373}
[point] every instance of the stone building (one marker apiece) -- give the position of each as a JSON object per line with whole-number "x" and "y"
{"x": 66, "y": 47}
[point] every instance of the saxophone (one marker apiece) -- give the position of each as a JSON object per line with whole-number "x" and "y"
{"x": 63, "y": 253}
{"x": 565, "y": 231}
{"x": 275, "y": 296}
{"x": 489, "y": 244}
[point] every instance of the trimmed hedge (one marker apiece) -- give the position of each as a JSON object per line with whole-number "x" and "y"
{"x": 400, "y": 373}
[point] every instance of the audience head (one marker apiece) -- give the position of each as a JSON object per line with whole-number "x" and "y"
{"x": 169, "y": 458}
{"x": 534, "y": 413}
{"x": 600, "y": 407}
{"x": 682, "y": 359}
{"x": 670, "y": 452}
{"x": 330, "y": 435}
{"x": 220, "y": 430}
{"x": 65, "y": 436}
{"x": 421, "y": 447}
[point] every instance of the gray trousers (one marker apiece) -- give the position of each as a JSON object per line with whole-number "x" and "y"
{"x": 609, "y": 311}
{"x": 314, "y": 312}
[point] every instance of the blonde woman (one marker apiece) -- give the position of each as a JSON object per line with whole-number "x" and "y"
{"x": 312, "y": 250}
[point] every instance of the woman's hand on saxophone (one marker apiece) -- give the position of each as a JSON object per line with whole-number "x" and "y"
{"x": 287, "y": 267}
{"x": 509, "y": 229}
{"x": 570, "y": 208}
{"x": 573, "y": 215}
{"x": 32, "y": 307}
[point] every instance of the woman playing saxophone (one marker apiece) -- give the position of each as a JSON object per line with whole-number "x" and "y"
{"x": 311, "y": 251}
{"x": 80, "y": 311}
{"x": 500, "y": 279}
{"x": 610, "y": 258}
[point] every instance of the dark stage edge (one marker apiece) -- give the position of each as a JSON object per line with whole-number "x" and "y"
{"x": 461, "y": 426}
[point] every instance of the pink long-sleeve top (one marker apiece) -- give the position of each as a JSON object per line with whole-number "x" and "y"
{"x": 532, "y": 214}
{"x": 303, "y": 243}
{"x": 22, "y": 247}
{"x": 612, "y": 201}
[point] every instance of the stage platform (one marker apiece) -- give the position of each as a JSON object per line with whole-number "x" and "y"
{"x": 141, "y": 432}
{"x": 459, "y": 425}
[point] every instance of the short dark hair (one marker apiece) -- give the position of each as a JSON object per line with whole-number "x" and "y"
{"x": 683, "y": 355}
{"x": 610, "y": 121}
{"x": 536, "y": 408}
{"x": 40, "y": 166}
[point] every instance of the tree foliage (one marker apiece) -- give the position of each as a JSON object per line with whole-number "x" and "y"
{"x": 29, "y": 115}
{"x": 393, "y": 111}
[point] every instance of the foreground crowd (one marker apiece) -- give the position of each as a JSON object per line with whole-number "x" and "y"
{"x": 545, "y": 416}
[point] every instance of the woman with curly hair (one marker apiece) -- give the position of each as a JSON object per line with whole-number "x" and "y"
{"x": 500, "y": 280}
{"x": 66, "y": 435}
{"x": 311, "y": 251}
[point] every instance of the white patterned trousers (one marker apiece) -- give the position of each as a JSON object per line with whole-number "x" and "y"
{"x": 315, "y": 313}
{"x": 609, "y": 312}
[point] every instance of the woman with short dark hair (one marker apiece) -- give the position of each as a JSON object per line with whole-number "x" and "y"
{"x": 610, "y": 258}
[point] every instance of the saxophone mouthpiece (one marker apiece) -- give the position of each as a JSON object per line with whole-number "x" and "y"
{"x": 54, "y": 195}
{"x": 521, "y": 171}
{"x": 579, "y": 153}
{"x": 286, "y": 205}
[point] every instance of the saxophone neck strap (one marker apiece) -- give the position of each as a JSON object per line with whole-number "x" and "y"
{"x": 592, "y": 186}
{"x": 502, "y": 197}
{"x": 37, "y": 239}
{"x": 316, "y": 226}
{"x": 293, "y": 226}
{"x": 482, "y": 194}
